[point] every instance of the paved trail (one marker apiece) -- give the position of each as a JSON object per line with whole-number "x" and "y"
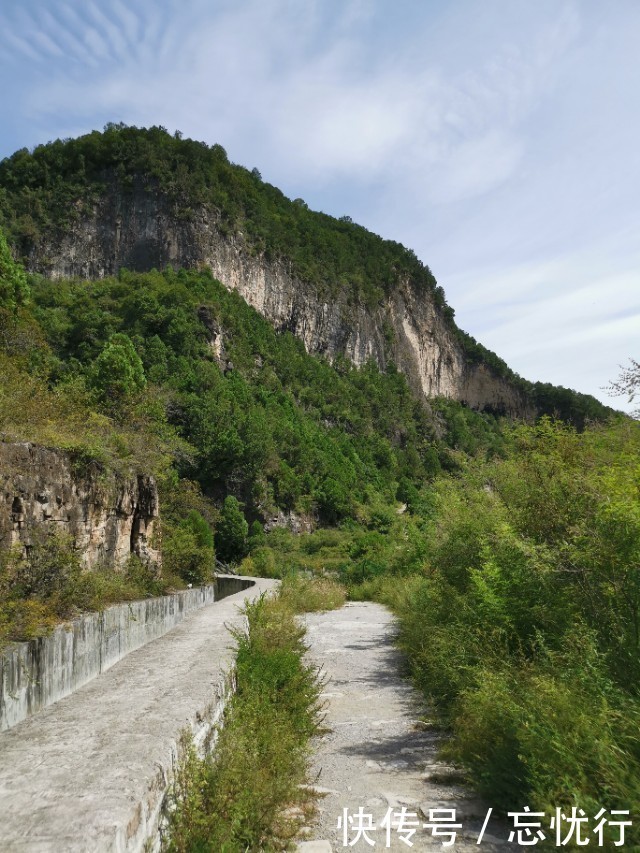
{"x": 86, "y": 774}
{"x": 377, "y": 756}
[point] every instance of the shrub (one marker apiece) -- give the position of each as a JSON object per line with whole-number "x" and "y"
{"x": 184, "y": 556}
{"x": 50, "y": 572}
{"x": 118, "y": 373}
{"x": 48, "y": 585}
{"x": 262, "y": 564}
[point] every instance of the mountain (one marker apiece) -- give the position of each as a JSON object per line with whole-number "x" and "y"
{"x": 148, "y": 413}
{"x": 143, "y": 199}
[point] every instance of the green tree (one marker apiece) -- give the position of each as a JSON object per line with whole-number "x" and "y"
{"x": 257, "y": 536}
{"x": 185, "y": 556}
{"x": 200, "y": 529}
{"x": 118, "y": 373}
{"x": 232, "y": 531}
{"x": 14, "y": 290}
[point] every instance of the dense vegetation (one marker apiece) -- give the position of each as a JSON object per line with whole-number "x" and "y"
{"x": 516, "y": 584}
{"x": 170, "y": 374}
{"x": 262, "y": 420}
{"x": 511, "y": 554}
{"x": 45, "y": 191}
{"x": 49, "y": 586}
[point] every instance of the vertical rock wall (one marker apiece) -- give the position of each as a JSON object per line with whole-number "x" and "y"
{"x": 139, "y": 230}
{"x": 108, "y": 517}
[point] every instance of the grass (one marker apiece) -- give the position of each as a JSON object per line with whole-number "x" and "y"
{"x": 310, "y": 595}
{"x": 51, "y": 586}
{"x": 251, "y": 794}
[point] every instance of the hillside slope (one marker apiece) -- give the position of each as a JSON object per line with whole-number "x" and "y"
{"x": 143, "y": 199}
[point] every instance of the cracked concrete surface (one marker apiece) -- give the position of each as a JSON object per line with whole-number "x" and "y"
{"x": 88, "y": 773}
{"x": 377, "y": 755}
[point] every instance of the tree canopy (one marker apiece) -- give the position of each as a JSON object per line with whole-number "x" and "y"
{"x": 14, "y": 290}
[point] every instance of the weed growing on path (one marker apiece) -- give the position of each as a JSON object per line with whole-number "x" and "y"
{"x": 251, "y": 794}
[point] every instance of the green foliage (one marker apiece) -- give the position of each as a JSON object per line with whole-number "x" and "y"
{"x": 185, "y": 558}
{"x": 117, "y": 374}
{"x": 553, "y": 731}
{"x": 46, "y": 190}
{"x": 281, "y": 430}
{"x": 236, "y": 799}
{"x": 14, "y": 290}
{"x": 232, "y": 531}
{"x": 520, "y": 614}
{"x": 65, "y": 416}
{"x": 257, "y": 537}
{"x": 567, "y": 405}
{"x": 51, "y": 567}
{"x": 186, "y": 535}
{"x": 200, "y": 529}
{"x": 309, "y": 595}
{"x": 49, "y": 584}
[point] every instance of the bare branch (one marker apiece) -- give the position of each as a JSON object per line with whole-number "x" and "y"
{"x": 627, "y": 384}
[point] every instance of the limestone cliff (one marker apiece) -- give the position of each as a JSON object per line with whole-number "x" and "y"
{"x": 108, "y": 516}
{"x": 141, "y": 229}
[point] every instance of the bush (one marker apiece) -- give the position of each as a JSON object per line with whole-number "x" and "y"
{"x": 49, "y": 585}
{"x": 50, "y": 572}
{"x": 261, "y": 563}
{"x": 184, "y": 556}
{"x": 25, "y": 620}
{"x": 521, "y": 626}
{"x": 118, "y": 373}
{"x": 548, "y": 736}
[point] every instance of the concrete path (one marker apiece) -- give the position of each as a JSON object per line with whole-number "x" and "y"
{"x": 88, "y": 773}
{"x": 377, "y": 755}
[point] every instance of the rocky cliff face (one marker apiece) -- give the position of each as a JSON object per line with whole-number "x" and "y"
{"x": 139, "y": 230}
{"x": 108, "y": 517}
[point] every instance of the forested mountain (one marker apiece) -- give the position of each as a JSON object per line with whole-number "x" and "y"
{"x": 271, "y": 368}
{"x": 142, "y": 198}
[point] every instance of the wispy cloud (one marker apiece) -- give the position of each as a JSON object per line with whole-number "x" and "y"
{"x": 497, "y": 140}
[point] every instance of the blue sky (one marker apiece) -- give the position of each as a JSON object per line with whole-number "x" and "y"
{"x": 500, "y": 140}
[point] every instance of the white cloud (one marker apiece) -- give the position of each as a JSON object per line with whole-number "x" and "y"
{"x": 130, "y": 22}
{"x": 475, "y": 166}
{"x": 106, "y": 27}
{"x": 570, "y": 320}
{"x": 323, "y": 112}
{"x": 497, "y": 140}
{"x": 16, "y": 44}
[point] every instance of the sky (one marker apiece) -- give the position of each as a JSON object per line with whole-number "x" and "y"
{"x": 498, "y": 139}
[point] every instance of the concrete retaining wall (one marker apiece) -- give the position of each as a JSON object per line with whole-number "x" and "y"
{"x": 38, "y": 673}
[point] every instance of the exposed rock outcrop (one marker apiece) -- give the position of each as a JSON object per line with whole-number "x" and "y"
{"x": 108, "y": 517}
{"x": 139, "y": 229}
{"x": 292, "y": 521}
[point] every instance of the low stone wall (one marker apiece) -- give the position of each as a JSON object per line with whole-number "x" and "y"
{"x": 33, "y": 675}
